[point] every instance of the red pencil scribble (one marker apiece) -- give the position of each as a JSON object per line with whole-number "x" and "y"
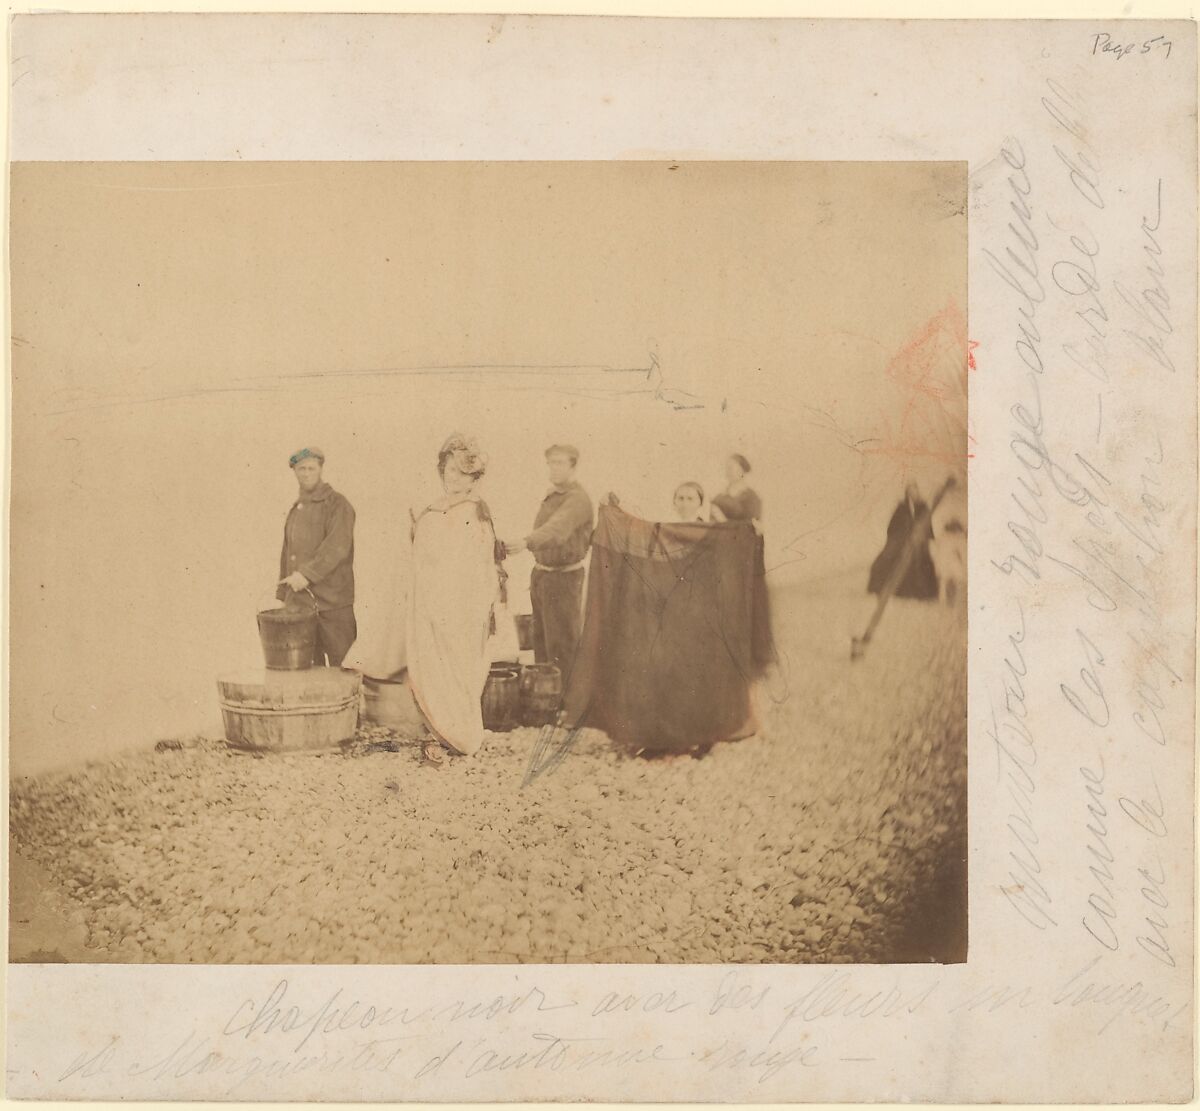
{"x": 971, "y": 345}
{"x": 930, "y": 371}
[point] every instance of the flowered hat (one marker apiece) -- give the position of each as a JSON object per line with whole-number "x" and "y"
{"x": 464, "y": 450}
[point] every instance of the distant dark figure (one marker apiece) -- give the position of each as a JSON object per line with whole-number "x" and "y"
{"x": 737, "y": 502}
{"x": 920, "y": 580}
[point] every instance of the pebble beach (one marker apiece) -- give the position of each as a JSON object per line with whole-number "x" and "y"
{"x": 836, "y": 834}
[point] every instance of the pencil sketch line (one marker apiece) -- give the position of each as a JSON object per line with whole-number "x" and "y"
{"x": 181, "y": 396}
{"x": 188, "y": 188}
{"x": 505, "y": 373}
{"x": 464, "y": 368}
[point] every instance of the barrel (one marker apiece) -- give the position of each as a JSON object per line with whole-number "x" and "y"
{"x": 289, "y": 637}
{"x": 289, "y": 711}
{"x": 390, "y": 703}
{"x": 541, "y": 693}
{"x": 501, "y": 701}
{"x": 524, "y": 623}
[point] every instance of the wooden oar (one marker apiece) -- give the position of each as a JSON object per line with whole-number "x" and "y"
{"x": 916, "y": 537}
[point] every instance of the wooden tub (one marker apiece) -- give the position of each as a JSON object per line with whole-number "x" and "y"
{"x": 390, "y": 703}
{"x": 289, "y": 711}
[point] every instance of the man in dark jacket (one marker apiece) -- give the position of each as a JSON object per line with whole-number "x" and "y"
{"x": 561, "y": 537}
{"x": 318, "y": 557}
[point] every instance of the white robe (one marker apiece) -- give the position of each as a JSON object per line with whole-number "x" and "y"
{"x": 453, "y": 587}
{"x": 379, "y": 651}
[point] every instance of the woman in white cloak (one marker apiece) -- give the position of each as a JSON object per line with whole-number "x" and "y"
{"x": 456, "y": 582}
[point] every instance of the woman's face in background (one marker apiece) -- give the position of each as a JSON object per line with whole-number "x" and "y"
{"x": 687, "y": 503}
{"x": 454, "y": 481}
{"x": 733, "y": 470}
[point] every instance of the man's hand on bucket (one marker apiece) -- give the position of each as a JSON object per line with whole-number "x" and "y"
{"x": 296, "y": 581}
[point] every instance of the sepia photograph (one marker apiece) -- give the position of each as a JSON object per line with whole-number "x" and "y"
{"x": 489, "y": 563}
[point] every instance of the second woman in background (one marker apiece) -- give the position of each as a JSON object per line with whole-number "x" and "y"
{"x": 738, "y": 502}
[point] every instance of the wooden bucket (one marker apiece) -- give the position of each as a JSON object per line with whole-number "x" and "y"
{"x": 289, "y": 711}
{"x": 541, "y": 693}
{"x": 390, "y": 703}
{"x": 501, "y": 701}
{"x": 289, "y": 634}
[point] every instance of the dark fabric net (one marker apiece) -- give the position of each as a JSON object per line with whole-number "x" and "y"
{"x": 676, "y": 627}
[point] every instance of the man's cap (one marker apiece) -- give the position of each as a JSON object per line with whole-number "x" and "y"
{"x": 307, "y": 453}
